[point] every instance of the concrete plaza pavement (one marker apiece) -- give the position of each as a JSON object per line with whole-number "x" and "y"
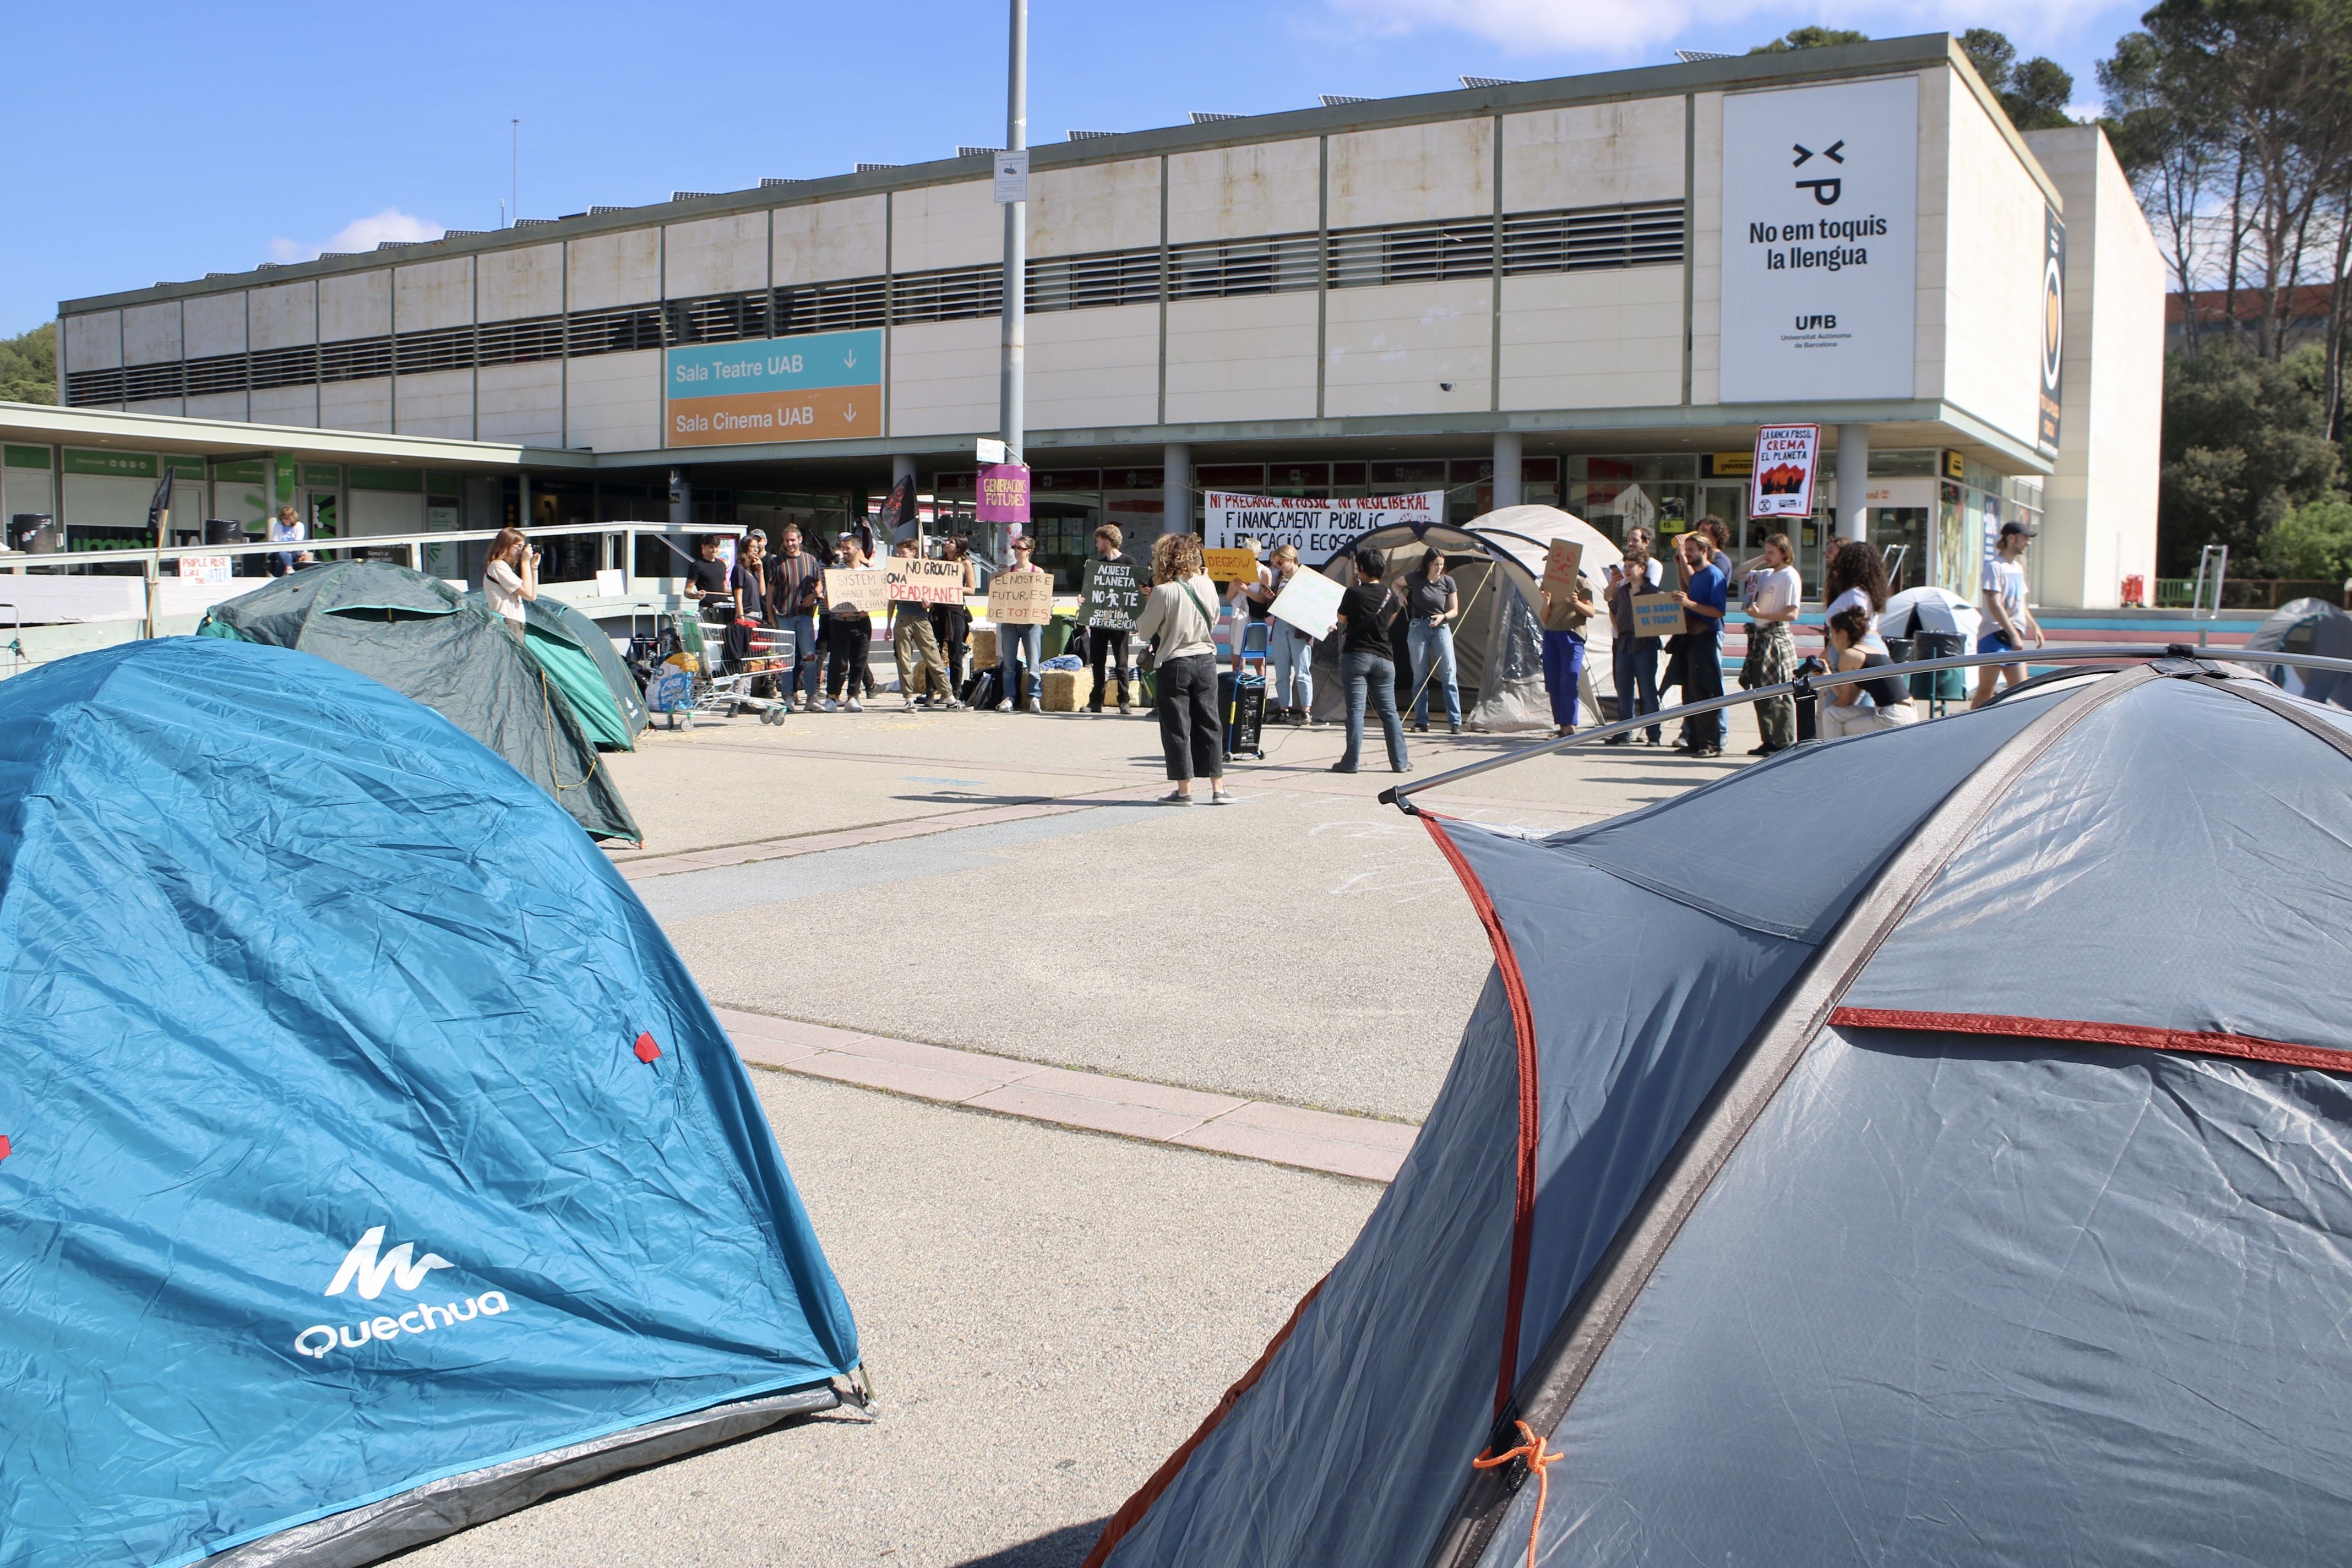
{"x": 1048, "y": 1311}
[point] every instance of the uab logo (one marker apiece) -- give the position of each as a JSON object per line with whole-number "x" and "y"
{"x": 369, "y": 1269}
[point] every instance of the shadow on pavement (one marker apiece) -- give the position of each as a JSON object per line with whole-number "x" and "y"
{"x": 1063, "y": 1548}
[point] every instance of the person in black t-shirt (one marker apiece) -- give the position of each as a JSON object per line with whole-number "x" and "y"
{"x": 1365, "y": 665}
{"x": 708, "y": 577}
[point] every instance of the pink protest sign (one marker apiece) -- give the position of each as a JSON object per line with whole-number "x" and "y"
{"x": 1003, "y": 495}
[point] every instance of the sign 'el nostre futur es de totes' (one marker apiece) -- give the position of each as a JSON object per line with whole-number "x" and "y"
{"x": 819, "y": 386}
{"x": 1821, "y": 241}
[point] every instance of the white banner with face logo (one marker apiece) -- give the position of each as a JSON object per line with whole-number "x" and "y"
{"x": 1821, "y": 220}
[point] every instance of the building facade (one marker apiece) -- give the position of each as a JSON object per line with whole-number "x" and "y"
{"x": 1589, "y": 290}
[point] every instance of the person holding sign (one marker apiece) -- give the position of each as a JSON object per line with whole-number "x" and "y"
{"x": 1290, "y": 648}
{"x": 1019, "y": 648}
{"x": 1432, "y": 601}
{"x": 1180, "y": 619}
{"x": 1772, "y": 595}
{"x": 1567, "y": 607}
{"x": 1365, "y": 663}
{"x": 951, "y": 624}
{"x": 1109, "y": 627}
{"x": 1695, "y": 658}
{"x": 1633, "y": 658}
{"x": 921, "y": 671}
{"x": 848, "y": 637}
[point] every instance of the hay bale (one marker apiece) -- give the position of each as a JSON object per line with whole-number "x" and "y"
{"x": 1067, "y": 691}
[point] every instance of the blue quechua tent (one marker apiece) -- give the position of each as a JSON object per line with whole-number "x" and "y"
{"x": 1933, "y": 1147}
{"x": 369, "y": 1162}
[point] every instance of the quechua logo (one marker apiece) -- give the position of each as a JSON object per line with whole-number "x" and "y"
{"x": 367, "y": 1269}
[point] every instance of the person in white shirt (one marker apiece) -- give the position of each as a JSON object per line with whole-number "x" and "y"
{"x": 2004, "y": 603}
{"x": 1772, "y": 593}
{"x": 510, "y": 579}
{"x": 286, "y": 528}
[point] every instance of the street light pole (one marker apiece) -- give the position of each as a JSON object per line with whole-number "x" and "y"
{"x": 1012, "y": 371}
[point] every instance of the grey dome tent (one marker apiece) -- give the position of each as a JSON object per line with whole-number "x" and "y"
{"x": 1497, "y": 642}
{"x": 2313, "y": 626}
{"x": 427, "y": 641}
{"x": 1965, "y": 1181}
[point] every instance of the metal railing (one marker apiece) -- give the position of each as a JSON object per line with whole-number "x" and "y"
{"x": 1396, "y": 795}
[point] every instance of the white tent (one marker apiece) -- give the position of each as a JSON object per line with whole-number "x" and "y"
{"x": 1497, "y": 642}
{"x": 1931, "y": 609}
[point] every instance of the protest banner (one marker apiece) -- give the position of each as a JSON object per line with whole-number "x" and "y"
{"x": 205, "y": 568}
{"x": 1021, "y": 598}
{"x": 1787, "y": 456}
{"x": 1231, "y": 565}
{"x": 1004, "y": 494}
{"x": 1114, "y": 593}
{"x": 1657, "y": 614}
{"x": 1317, "y": 528}
{"x": 1563, "y": 568}
{"x": 914, "y": 580}
{"x": 1310, "y": 601}
{"x": 866, "y": 588}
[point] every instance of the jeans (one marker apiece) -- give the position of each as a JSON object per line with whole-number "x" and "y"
{"x": 1563, "y": 656}
{"x": 1023, "y": 646}
{"x": 808, "y": 656}
{"x": 1636, "y": 664}
{"x": 1191, "y": 730}
{"x": 1292, "y": 652}
{"x": 849, "y": 643}
{"x": 1432, "y": 644}
{"x": 1362, "y": 671}
{"x": 1108, "y": 648}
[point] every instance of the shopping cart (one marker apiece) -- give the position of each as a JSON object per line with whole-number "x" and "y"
{"x": 732, "y": 668}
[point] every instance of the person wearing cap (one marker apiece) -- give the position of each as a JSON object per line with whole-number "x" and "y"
{"x": 1020, "y": 649}
{"x": 2004, "y": 602}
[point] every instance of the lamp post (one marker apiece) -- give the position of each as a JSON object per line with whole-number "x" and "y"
{"x": 1013, "y": 369}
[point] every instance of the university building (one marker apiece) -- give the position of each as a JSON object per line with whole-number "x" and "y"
{"x": 1589, "y": 290}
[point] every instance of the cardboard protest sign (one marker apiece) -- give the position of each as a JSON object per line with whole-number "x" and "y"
{"x": 918, "y": 581}
{"x": 1563, "y": 568}
{"x": 1310, "y": 601}
{"x": 867, "y": 589}
{"x": 1231, "y": 566}
{"x": 1021, "y": 598}
{"x": 1113, "y": 594}
{"x": 1657, "y": 614}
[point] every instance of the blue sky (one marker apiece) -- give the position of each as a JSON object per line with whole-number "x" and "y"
{"x": 160, "y": 142}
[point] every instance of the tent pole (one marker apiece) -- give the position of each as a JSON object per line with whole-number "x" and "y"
{"x": 1396, "y": 795}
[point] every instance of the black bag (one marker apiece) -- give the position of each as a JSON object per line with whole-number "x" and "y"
{"x": 980, "y": 691}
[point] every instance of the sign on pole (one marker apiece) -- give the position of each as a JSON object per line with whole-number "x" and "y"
{"x": 867, "y": 589}
{"x": 1011, "y": 177}
{"x": 916, "y": 580}
{"x": 1021, "y": 598}
{"x": 1787, "y": 457}
{"x": 987, "y": 452}
{"x": 1113, "y": 594}
{"x": 1310, "y": 601}
{"x": 1004, "y": 494}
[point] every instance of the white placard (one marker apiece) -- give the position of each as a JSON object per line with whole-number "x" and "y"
{"x": 1780, "y": 477}
{"x": 1821, "y": 221}
{"x": 1013, "y": 176}
{"x": 612, "y": 584}
{"x": 1317, "y": 529}
{"x": 1310, "y": 601}
{"x": 205, "y": 568}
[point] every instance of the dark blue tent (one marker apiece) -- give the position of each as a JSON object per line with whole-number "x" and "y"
{"x": 1931, "y": 1147}
{"x": 371, "y": 1164}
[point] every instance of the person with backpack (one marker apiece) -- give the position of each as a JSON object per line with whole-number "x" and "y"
{"x": 1180, "y": 620}
{"x": 1367, "y": 668}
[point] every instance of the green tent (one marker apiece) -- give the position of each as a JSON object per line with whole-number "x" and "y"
{"x": 578, "y": 657}
{"x": 425, "y": 640}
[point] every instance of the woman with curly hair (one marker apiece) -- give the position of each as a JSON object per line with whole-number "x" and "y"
{"x": 1180, "y": 621}
{"x": 1854, "y": 578}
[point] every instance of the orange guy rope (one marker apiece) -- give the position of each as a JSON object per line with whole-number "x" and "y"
{"x": 1539, "y": 1459}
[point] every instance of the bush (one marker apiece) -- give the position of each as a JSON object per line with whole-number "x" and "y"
{"x": 2313, "y": 541}
{"x": 2245, "y": 441}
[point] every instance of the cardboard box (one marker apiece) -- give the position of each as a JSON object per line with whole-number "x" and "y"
{"x": 1067, "y": 690}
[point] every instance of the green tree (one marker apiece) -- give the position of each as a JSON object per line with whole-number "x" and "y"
{"x": 28, "y": 366}
{"x": 1810, "y": 39}
{"x": 2245, "y": 442}
{"x": 2313, "y": 541}
{"x": 2033, "y": 93}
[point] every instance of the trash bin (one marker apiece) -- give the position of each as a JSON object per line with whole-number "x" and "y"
{"x": 1058, "y": 633}
{"x": 1939, "y": 685}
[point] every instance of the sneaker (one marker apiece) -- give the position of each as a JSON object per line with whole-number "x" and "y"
{"x": 1762, "y": 751}
{"x": 1454, "y": 729}
{"x": 1706, "y": 751}
{"x": 1032, "y": 706}
{"x": 1175, "y": 798}
{"x": 1341, "y": 768}
{"x": 800, "y": 703}
{"x": 829, "y": 706}
{"x": 1005, "y": 707}
{"x": 910, "y": 705}
{"x": 1219, "y": 798}
{"x": 1618, "y": 740}
{"x": 855, "y": 707}
{"x": 1420, "y": 726}
{"x": 1125, "y": 707}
